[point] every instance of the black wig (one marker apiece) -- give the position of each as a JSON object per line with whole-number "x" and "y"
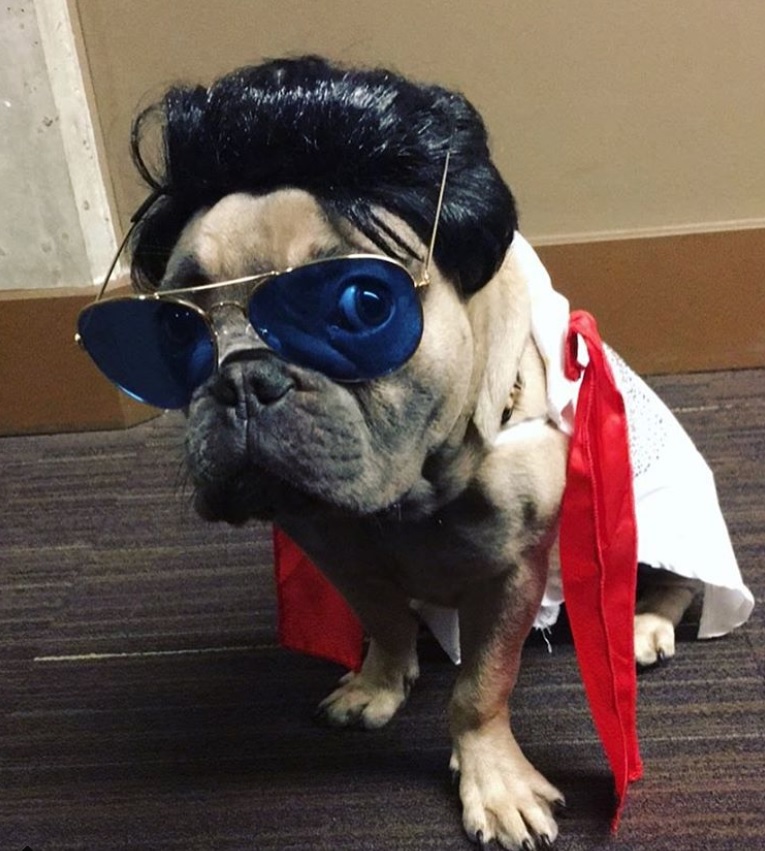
{"x": 355, "y": 139}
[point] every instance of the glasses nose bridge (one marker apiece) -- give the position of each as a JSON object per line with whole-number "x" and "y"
{"x": 233, "y": 331}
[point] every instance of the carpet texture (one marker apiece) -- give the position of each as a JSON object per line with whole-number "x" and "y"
{"x": 145, "y": 705}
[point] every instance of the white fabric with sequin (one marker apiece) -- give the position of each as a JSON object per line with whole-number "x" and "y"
{"x": 679, "y": 523}
{"x": 680, "y": 526}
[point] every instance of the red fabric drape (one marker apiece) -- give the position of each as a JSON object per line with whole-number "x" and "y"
{"x": 313, "y": 617}
{"x": 598, "y": 547}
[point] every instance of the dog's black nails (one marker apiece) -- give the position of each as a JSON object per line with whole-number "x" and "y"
{"x": 661, "y": 657}
{"x": 479, "y": 840}
{"x": 528, "y": 845}
{"x": 545, "y": 841}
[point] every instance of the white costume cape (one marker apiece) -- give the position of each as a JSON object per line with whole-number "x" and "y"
{"x": 679, "y": 524}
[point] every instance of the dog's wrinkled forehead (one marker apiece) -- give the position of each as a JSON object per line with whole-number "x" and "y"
{"x": 249, "y": 235}
{"x": 244, "y": 235}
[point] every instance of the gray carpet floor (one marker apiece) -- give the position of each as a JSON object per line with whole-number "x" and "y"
{"x": 145, "y": 704}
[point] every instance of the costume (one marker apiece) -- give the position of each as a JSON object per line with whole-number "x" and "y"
{"x": 679, "y": 524}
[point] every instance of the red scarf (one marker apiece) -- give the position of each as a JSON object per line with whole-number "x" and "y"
{"x": 598, "y": 554}
{"x": 598, "y": 547}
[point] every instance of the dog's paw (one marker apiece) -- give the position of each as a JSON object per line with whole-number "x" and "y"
{"x": 654, "y": 639}
{"x": 504, "y": 798}
{"x": 361, "y": 702}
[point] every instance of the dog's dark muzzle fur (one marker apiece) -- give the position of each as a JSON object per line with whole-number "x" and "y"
{"x": 229, "y": 419}
{"x": 266, "y": 437}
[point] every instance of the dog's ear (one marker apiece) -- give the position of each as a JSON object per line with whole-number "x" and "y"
{"x": 500, "y": 317}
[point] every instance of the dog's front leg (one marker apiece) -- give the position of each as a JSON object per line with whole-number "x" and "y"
{"x": 503, "y": 796}
{"x": 371, "y": 697}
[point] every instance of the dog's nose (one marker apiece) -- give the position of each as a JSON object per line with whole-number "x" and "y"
{"x": 248, "y": 371}
{"x": 247, "y": 377}
{"x": 233, "y": 332}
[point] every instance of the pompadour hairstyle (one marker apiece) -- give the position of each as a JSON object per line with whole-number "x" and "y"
{"x": 356, "y": 139}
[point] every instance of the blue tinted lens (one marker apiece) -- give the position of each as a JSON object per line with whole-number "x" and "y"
{"x": 156, "y": 351}
{"x": 351, "y": 318}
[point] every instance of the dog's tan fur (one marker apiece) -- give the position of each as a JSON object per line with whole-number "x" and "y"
{"x": 395, "y": 488}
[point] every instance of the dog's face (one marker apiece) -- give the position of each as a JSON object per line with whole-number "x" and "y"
{"x": 266, "y": 436}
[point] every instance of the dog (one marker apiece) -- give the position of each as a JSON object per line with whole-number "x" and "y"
{"x": 385, "y": 466}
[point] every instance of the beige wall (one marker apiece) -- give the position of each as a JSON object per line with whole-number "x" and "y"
{"x": 41, "y": 243}
{"x": 55, "y": 222}
{"x": 607, "y": 116}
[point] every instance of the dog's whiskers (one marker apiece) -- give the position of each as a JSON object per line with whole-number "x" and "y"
{"x": 184, "y": 486}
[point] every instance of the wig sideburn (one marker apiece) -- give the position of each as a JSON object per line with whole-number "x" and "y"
{"x": 356, "y": 139}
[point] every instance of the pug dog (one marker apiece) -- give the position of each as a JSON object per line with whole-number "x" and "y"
{"x": 335, "y": 290}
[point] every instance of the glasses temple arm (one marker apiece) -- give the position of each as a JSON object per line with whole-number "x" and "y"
{"x": 134, "y": 220}
{"x": 439, "y": 205}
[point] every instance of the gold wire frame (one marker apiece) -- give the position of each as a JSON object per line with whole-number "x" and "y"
{"x": 255, "y": 280}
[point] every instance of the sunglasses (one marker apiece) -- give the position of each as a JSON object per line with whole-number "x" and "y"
{"x": 353, "y": 318}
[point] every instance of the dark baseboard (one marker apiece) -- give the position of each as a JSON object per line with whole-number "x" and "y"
{"x": 671, "y": 304}
{"x": 47, "y": 383}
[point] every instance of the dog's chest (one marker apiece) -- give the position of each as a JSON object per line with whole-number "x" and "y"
{"x": 436, "y": 560}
